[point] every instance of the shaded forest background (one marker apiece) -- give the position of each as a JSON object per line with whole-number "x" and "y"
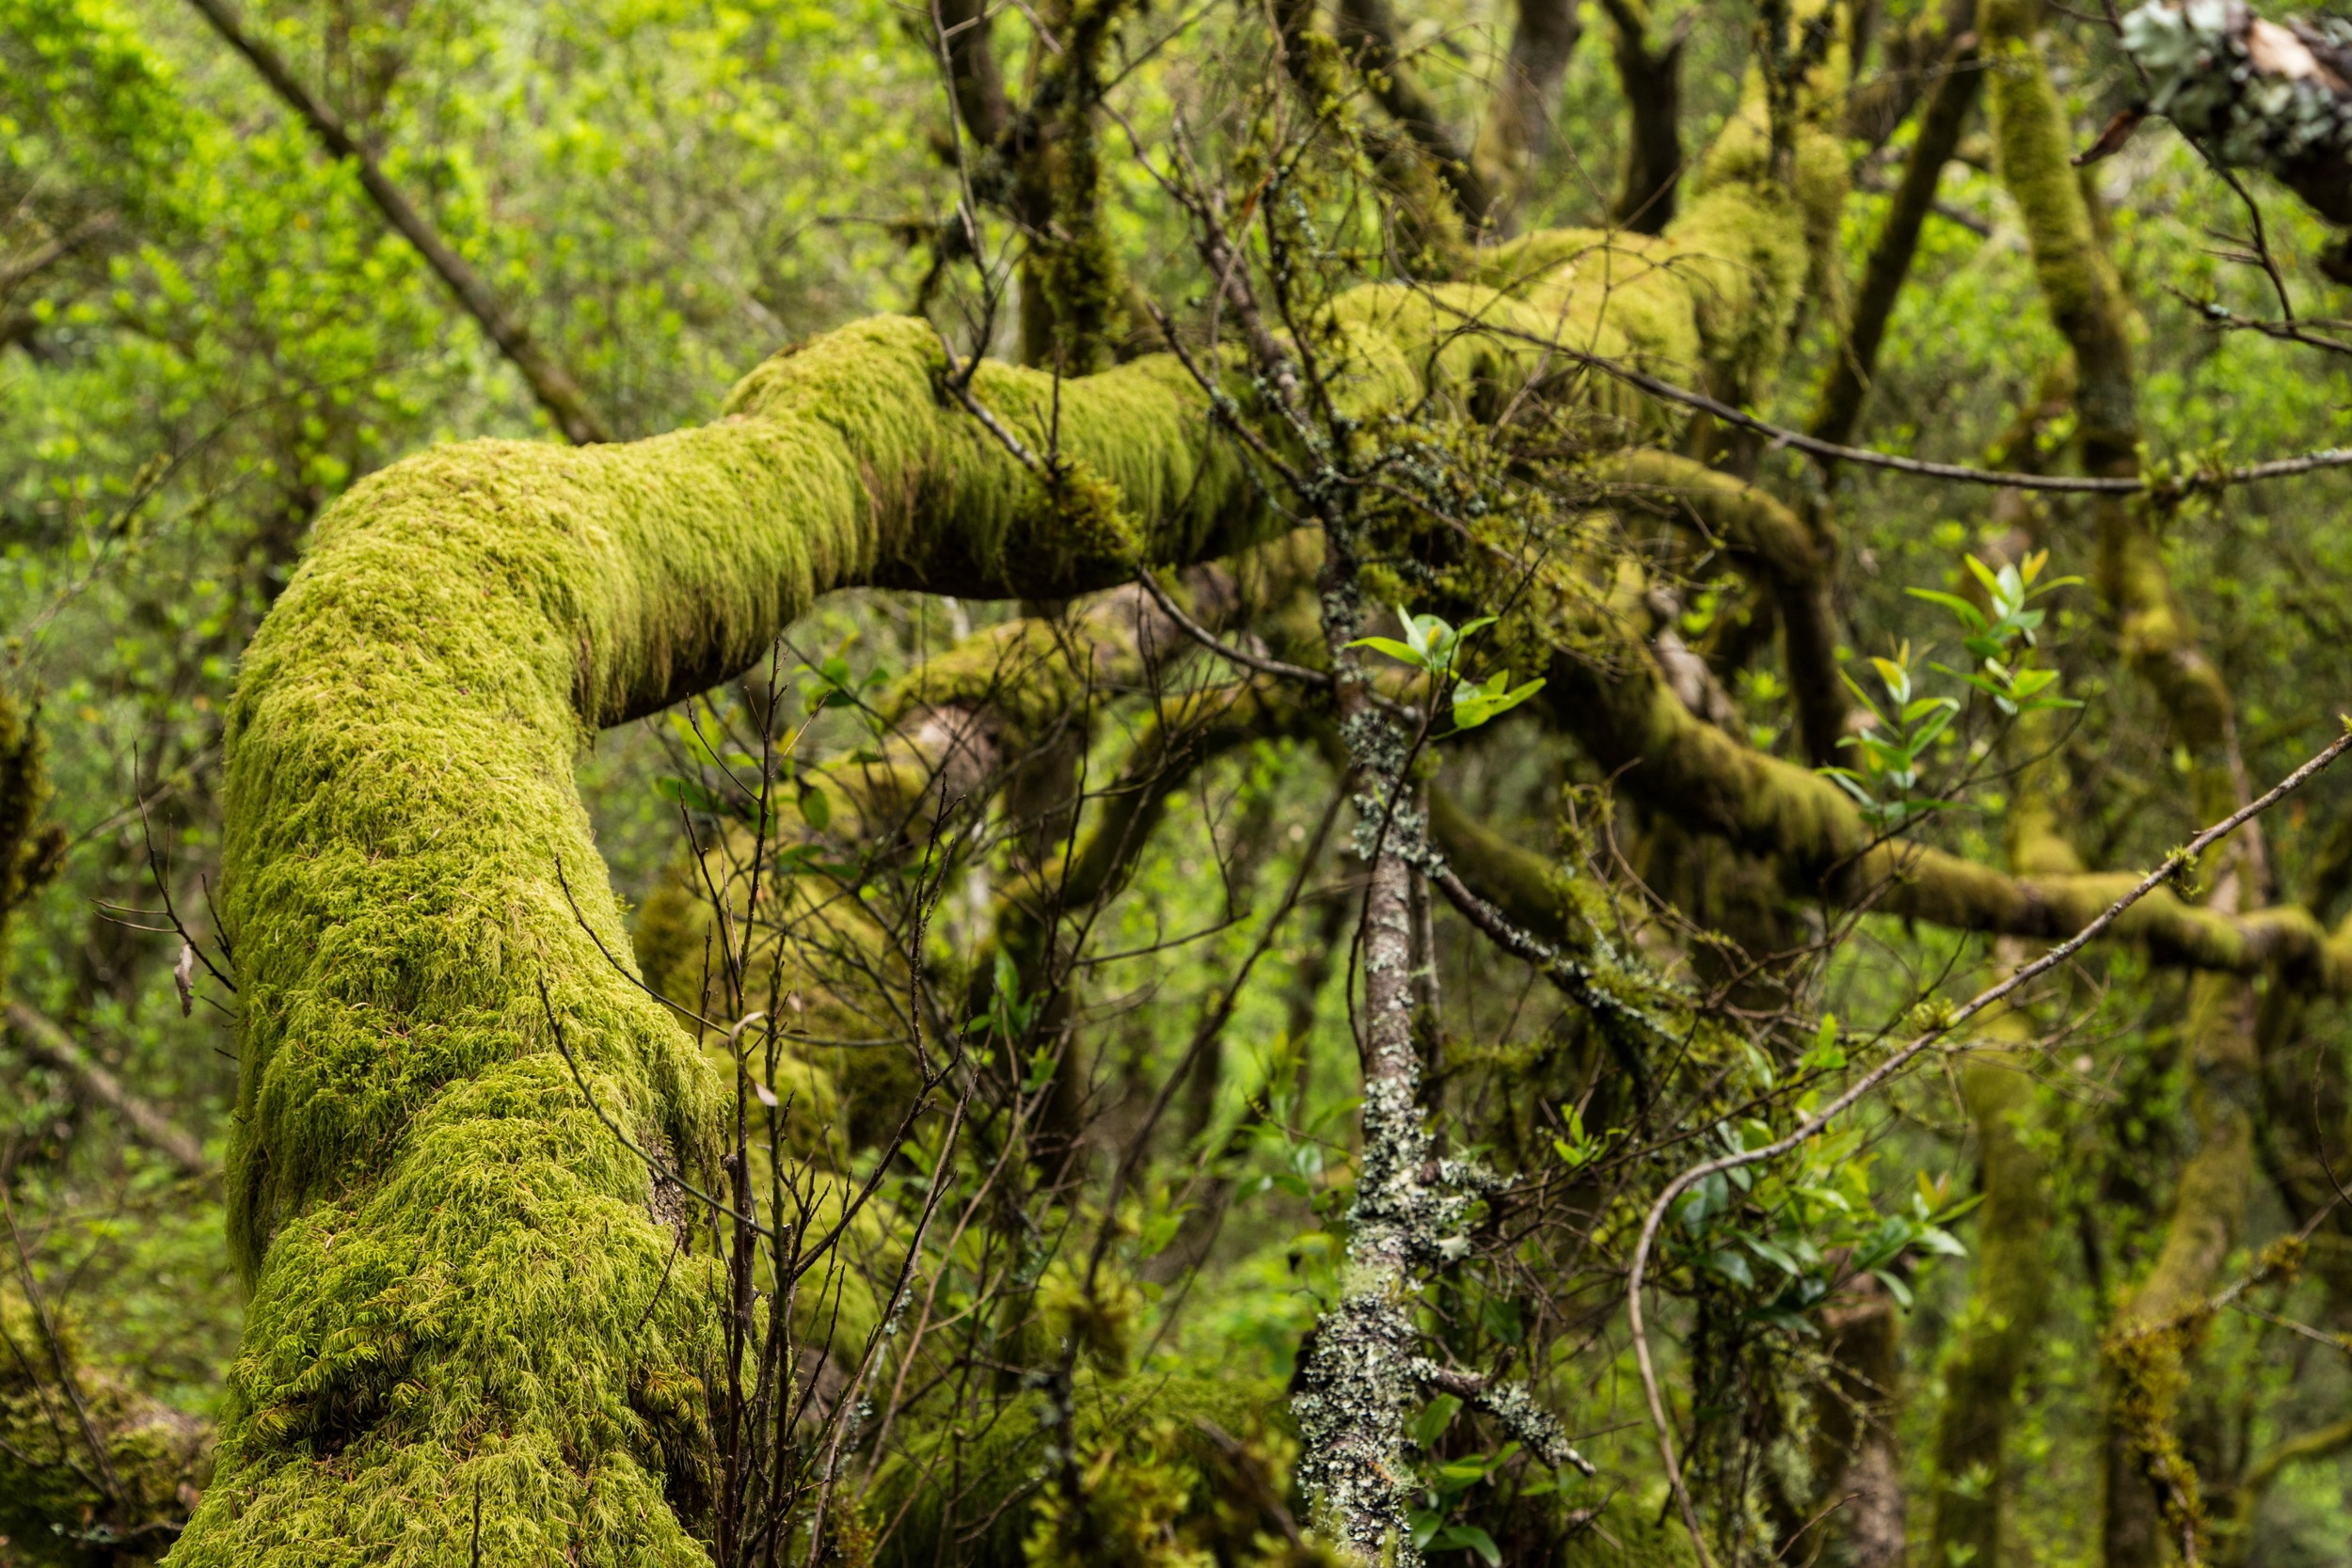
{"x": 209, "y": 333}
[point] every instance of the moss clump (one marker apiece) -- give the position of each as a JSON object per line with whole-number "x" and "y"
{"x": 91, "y": 1474}
{"x": 1708, "y": 303}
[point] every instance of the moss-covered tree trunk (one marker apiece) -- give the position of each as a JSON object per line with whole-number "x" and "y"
{"x": 458, "y": 1313}
{"x": 1996, "y": 1333}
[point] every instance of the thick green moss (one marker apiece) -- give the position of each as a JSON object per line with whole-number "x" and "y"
{"x": 94, "y": 1475}
{"x": 458, "y": 1277}
{"x": 1711, "y": 300}
{"x": 1620, "y": 705}
{"x": 2034, "y": 144}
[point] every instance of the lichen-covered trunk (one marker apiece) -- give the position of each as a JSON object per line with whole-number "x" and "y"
{"x": 2154, "y": 1500}
{"x": 1353, "y": 1388}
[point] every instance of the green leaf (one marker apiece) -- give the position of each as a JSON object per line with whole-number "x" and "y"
{"x": 815, "y": 809}
{"x": 1468, "y": 1538}
{"x": 1933, "y": 727}
{"x": 1416, "y": 629}
{"x": 1040, "y": 1070}
{"x": 1826, "y": 1056}
{"x": 1968, "y": 614}
{"x": 1732, "y": 1267}
{"x": 1935, "y": 1239}
{"x": 1434, "y": 1416}
{"x": 1864, "y": 698}
{"x": 1395, "y": 650}
{"x": 1983, "y": 574}
{"x": 1474, "y": 706}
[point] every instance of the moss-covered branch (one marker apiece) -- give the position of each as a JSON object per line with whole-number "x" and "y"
{"x": 2154, "y": 1493}
{"x": 1795, "y": 565}
{"x": 401, "y": 806}
{"x": 1631, "y": 719}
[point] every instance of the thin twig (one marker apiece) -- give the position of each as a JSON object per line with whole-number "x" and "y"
{"x": 1223, "y": 649}
{"x": 661, "y": 1171}
{"x": 2077, "y": 485}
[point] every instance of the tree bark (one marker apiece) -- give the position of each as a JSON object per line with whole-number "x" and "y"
{"x": 1517, "y": 134}
{"x": 1843, "y": 393}
{"x": 1367, "y": 30}
{"x": 1651, "y": 78}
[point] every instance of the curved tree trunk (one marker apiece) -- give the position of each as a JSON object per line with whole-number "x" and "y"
{"x": 2151, "y": 1490}
{"x": 450, "y": 1250}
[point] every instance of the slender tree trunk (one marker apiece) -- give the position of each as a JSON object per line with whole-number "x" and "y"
{"x": 549, "y": 381}
{"x": 1651, "y": 78}
{"x": 1997, "y": 1332}
{"x": 1517, "y": 134}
